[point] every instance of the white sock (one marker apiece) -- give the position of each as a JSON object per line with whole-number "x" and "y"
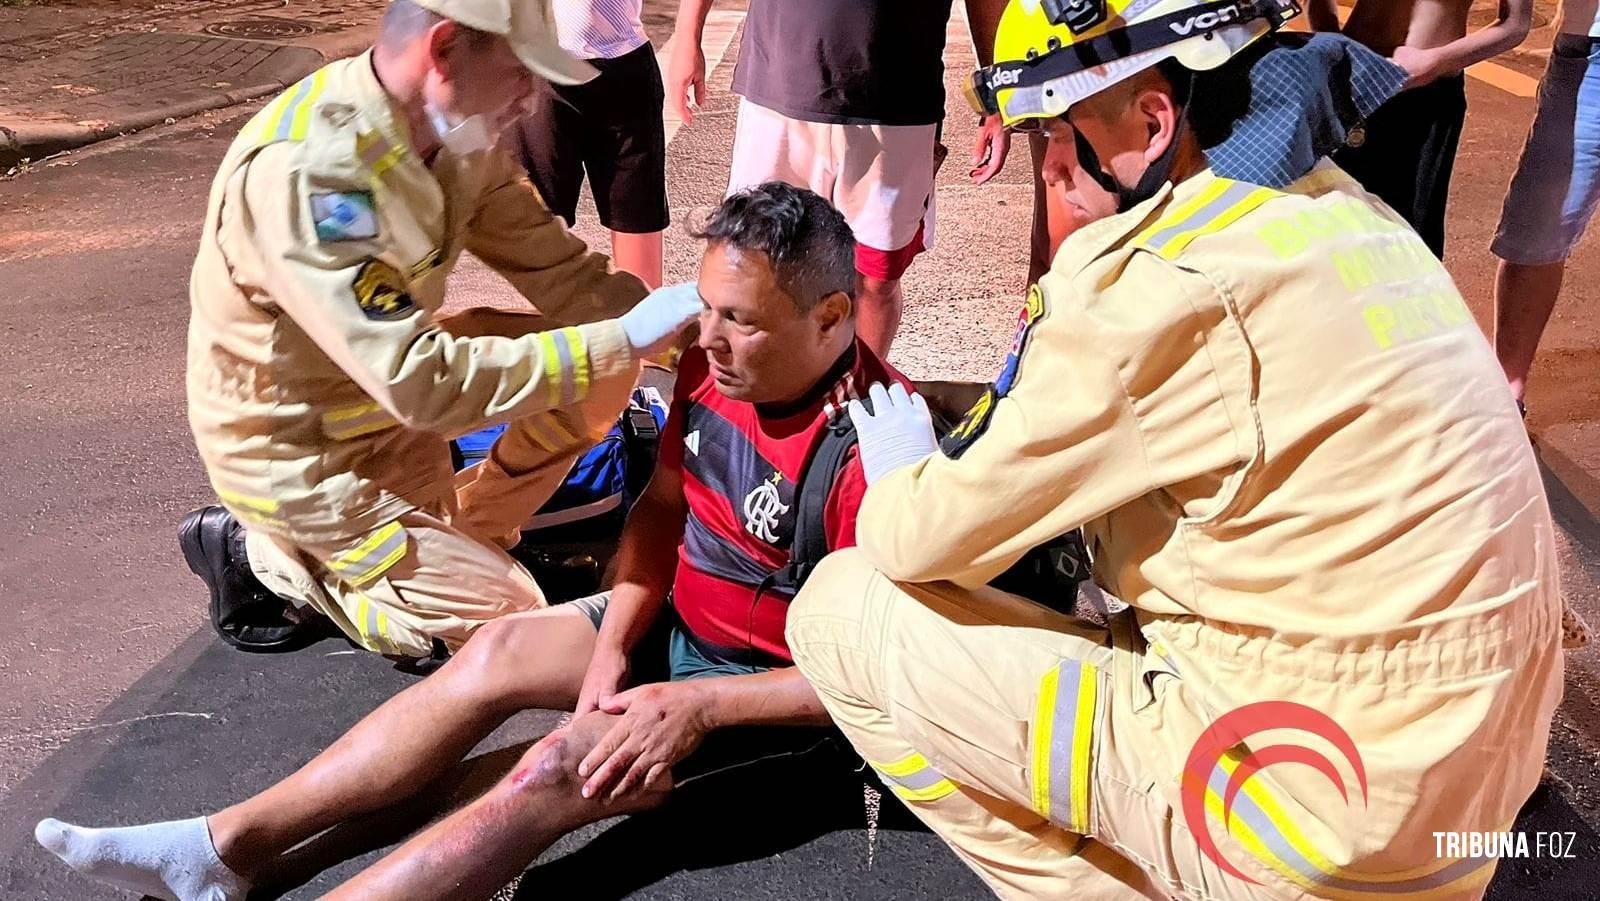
{"x": 174, "y": 861}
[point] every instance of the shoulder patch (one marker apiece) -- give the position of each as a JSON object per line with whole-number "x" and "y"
{"x": 1032, "y": 312}
{"x": 977, "y": 417}
{"x": 344, "y": 216}
{"x": 380, "y": 293}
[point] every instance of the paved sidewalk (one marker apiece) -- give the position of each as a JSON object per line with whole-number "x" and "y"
{"x": 72, "y": 73}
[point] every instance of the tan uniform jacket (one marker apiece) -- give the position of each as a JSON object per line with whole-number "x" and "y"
{"x": 321, "y": 386}
{"x": 1294, "y": 454}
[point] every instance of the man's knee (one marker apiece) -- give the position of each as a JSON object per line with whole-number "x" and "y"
{"x": 490, "y": 665}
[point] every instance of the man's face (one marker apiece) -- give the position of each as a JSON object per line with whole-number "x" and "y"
{"x": 1119, "y": 130}
{"x": 472, "y": 76}
{"x": 762, "y": 348}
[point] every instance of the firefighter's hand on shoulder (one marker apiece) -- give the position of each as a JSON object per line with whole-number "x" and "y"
{"x": 654, "y": 323}
{"x": 897, "y": 432}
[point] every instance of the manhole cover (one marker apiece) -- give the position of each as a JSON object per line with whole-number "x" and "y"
{"x": 262, "y": 29}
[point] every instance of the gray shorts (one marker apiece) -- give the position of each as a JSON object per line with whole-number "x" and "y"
{"x": 669, "y": 652}
{"x": 1554, "y": 193}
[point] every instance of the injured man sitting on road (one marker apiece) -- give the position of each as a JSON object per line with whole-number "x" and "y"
{"x": 776, "y": 363}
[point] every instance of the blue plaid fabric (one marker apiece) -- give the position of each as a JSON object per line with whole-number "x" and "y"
{"x": 1301, "y": 98}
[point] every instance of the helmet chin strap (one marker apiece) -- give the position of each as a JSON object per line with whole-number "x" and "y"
{"x": 1155, "y": 175}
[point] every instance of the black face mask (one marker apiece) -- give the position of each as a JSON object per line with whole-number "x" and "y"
{"x": 1155, "y": 175}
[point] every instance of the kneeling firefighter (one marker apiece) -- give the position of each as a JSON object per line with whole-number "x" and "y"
{"x": 1293, "y": 457}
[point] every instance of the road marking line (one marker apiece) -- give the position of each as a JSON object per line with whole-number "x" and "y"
{"x": 1509, "y": 80}
{"x": 721, "y": 26}
{"x": 1492, "y": 74}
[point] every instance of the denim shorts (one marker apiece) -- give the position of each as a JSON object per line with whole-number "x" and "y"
{"x": 669, "y": 653}
{"x": 1557, "y": 185}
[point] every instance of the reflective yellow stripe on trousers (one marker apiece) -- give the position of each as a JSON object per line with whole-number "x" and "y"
{"x": 1063, "y": 743}
{"x": 914, "y": 779}
{"x": 372, "y": 557}
{"x": 1261, "y": 825}
{"x": 372, "y": 621}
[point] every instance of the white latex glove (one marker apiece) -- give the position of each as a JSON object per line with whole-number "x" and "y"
{"x": 655, "y": 322}
{"x": 898, "y": 432}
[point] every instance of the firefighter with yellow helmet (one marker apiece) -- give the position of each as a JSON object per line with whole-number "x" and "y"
{"x": 1295, "y": 463}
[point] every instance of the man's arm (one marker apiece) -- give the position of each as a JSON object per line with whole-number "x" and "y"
{"x": 686, "y": 70}
{"x": 1507, "y": 31}
{"x": 1111, "y": 400}
{"x": 350, "y": 297}
{"x": 647, "y": 558}
{"x": 983, "y": 19}
{"x": 1322, "y": 15}
{"x": 779, "y": 697}
{"x": 517, "y": 236}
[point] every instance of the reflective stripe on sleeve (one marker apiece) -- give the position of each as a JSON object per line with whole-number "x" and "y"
{"x": 566, "y": 366}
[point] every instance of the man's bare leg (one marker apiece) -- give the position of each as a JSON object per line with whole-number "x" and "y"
{"x": 878, "y": 305}
{"x": 526, "y": 660}
{"x": 639, "y": 254}
{"x": 1524, "y": 297}
{"x": 480, "y": 848}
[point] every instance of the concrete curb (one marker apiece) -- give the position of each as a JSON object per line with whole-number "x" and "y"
{"x": 21, "y": 141}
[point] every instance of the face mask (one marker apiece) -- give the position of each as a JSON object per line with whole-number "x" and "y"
{"x": 470, "y": 135}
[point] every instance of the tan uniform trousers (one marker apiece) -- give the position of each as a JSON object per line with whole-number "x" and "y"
{"x": 454, "y": 575}
{"x": 947, "y": 693}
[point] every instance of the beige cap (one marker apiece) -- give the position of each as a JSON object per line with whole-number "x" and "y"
{"x": 527, "y": 25}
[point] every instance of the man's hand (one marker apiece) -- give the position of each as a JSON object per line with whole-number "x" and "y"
{"x": 607, "y": 673}
{"x": 654, "y": 323}
{"x": 686, "y": 78}
{"x": 898, "y": 431}
{"x": 1422, "y": 66}
{"x": 989, "y": 153}
{"x": 661, "y": 723}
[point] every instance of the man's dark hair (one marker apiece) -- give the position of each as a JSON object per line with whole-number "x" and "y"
{"x": 809, "y": 243}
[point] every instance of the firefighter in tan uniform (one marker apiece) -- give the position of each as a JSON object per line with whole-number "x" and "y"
{"x": 323, "y": 384}
{"x": 1294, "y": 460}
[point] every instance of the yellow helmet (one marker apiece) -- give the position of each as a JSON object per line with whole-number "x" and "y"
{"x": 1049, "y": 54}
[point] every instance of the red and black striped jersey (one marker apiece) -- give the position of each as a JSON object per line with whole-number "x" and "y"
{"x": 741, "y": 463}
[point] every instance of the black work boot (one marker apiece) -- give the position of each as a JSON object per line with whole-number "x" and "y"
{"x": 243, "y": 611}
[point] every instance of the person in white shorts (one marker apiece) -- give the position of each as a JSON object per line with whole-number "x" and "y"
{"x": 843, "y": 97}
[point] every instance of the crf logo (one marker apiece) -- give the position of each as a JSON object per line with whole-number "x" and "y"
{"x": 1205, "y": 21}
{"x": 762, "y": 507}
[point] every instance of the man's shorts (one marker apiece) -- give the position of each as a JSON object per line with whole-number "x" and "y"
{"x": 879, "y": 176}
{"x": 1553, "y": 195}
{"x": 1409, "y": 151}
{"x": 669, "y": 653}
{"x": 610, "y": 127}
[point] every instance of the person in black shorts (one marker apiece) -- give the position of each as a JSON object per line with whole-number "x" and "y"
{"x": 609, "y": 128}
{"x": 1406, "y": 151}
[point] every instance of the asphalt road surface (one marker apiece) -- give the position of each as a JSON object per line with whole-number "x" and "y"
{"x": 106, "y": 651}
